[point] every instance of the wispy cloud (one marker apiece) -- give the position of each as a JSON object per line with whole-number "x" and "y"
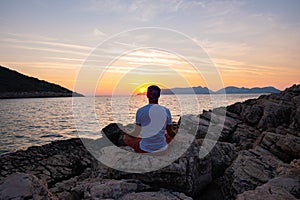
{"x": 71, "y": 52}
{"x": 138, "y": 9}
{"x": 41, "y": 65}
{"x": 46, "y": 43}
{"x": 143, "y": 10}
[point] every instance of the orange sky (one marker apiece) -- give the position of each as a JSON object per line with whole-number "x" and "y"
{"x": 251, "y": 43}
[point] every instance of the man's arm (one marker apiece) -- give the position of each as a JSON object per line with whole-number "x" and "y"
{"x": 170, "y": 131}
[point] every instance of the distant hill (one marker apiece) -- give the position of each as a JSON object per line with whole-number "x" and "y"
{"x": 243, "y": 90}
{"x": 16, "y": 85}
{"x": 228, "y": 90}
{"x": 192, "y": 90}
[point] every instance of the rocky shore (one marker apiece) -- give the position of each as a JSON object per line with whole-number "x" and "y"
{"x": 256, "y": 156}
{"x": 39, "y": 94}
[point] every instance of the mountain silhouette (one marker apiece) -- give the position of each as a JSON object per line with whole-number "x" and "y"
{"x": 16, "y": 85}
{"x": 227, "y": 90}
{"x": 243, "y": 90}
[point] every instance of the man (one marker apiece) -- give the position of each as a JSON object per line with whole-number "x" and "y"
{"x": 152, "y": 122}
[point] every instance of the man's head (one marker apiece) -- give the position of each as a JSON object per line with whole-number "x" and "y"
{"x": 153, "y": 93}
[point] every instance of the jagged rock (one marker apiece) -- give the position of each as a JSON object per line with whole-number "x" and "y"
{"x": 266, "y": 192}
{"x": 245, "y": 136}
{"x": 162, "y": 195}
{"x": 114, "y": 132}
{"x": 217, "y": 118}
{"x": 250, "y": 169}
{"x": 270, "y": 111}
{"x": 222, "y": 155}
{"x": 286, "y": 147}
{"x": 63, "y": 189}
{"x": 53, "y": 162}
{"x": 270, "y": 125}
{"x": 283, "y": 187}
{"x": 187, "y": 174}
{"x": 24, "y": 186}
{"x": 275, "y": 114}
{"x": 106, "y": 188}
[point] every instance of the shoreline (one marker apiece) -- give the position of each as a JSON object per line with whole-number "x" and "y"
{"x": 257, "y": 151}
{"x": 28, "y": 95}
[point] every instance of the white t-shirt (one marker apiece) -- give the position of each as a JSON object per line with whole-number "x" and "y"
{"x": 153, "y": 119}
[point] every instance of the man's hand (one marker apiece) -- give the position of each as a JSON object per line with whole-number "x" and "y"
{"x": 170, "y": 131}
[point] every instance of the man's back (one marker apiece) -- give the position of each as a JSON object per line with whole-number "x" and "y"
{"x": 153, "y": 119}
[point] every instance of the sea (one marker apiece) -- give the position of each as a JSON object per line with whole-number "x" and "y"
{"x": 37, "y": 121}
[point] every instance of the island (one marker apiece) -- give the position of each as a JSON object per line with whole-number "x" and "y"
{"x": 256, "y": 156}
{"x": 226, "y": 90}
{"x": 17, "y": 85}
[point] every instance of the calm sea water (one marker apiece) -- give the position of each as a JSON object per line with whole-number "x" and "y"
{"x": 28, "y": 122}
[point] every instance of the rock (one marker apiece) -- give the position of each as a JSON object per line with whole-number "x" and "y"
{"x": 270, "y": 111}
{"x": 106, "y": 188}
{"x": 286, "y": 147}
{"x": 283, "y": 187}
{"x": 114, "y": 132}
{"x": 162, "y": 195}
{"x": 275, "y": 114}
{"x": 53, "y": 163}
{"x": 266, "y": 192}
{"x": 219, "y": 125}
{"x": 24, "y": 186}
{"x": 222, "y": 155}
{"x": 250, "y": 169}
{"x": 254, "y": 114}
{"x": 245, "y": 136}
{"x": 188, "y": 174}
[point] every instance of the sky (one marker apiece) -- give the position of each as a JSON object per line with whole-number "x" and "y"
{"x": 107, "y": 47}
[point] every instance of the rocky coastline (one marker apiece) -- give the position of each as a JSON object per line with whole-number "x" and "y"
{"x": 37, "y": 94}
{"x": 256, "y": 156}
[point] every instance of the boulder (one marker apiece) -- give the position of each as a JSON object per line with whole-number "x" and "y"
{"x": 53, "y": 163}
{"x": 24, "y": 186}
{"x": 286, "y": 147}
{"x": 106, "y": 188}
{"x": 114, "y": 132}
{"x": 250, "y": 169}
{"x": 282, "y": 187}
{"x": 189, "y": 173}
{"x": 162, "y": 195}
{"x": 266, "y": 192}
{"x": 245, "y": 136}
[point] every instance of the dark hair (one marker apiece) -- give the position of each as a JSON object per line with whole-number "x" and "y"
{"x": 153, "y": 92}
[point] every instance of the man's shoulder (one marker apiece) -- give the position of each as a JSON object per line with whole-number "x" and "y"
{"x": 167, "y": 109}
{"x": 144, "y": 108}
{"x": 148, "y": 106}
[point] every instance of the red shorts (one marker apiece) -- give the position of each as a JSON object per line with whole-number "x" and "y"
{"x": 134, "y": 142}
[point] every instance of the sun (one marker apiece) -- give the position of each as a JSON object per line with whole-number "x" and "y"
{"x": 142, "y": 90}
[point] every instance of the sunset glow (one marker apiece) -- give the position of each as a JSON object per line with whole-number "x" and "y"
{"x": 143, "y": 90}
{"x": 259, "y": 49}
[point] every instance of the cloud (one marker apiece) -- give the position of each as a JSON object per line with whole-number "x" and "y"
{"x": 140, "y": 10}
{"x": 70, "y": 52}
{"x": 43, "y": 44}
{"x": 42, "y": 65}
{"x": 47, "y": 43}
{"x": 98, "y": 33}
